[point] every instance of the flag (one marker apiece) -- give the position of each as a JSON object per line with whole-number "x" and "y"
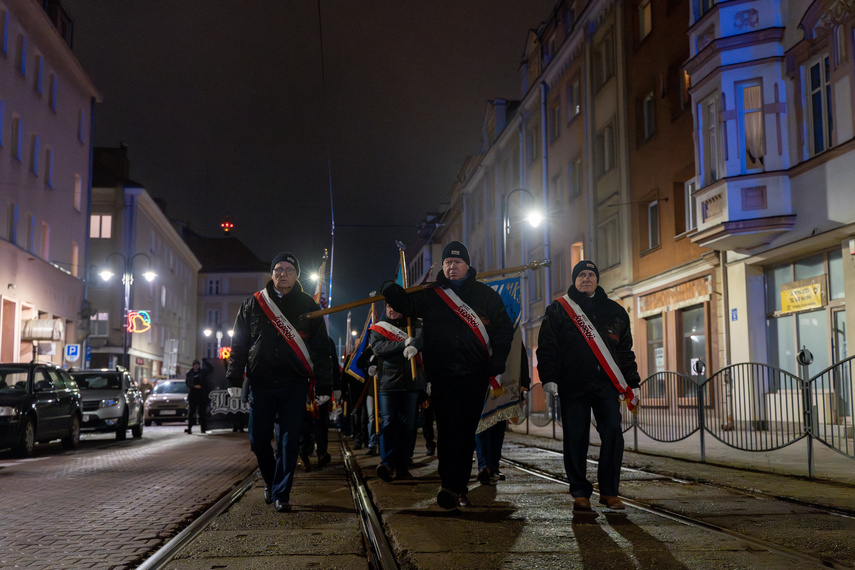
{"x": 503, "y": 403}
{"x": 400, "y": 278}
{"x": 351, "y": 367}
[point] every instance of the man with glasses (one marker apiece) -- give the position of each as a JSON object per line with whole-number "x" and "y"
{"x": 287, "y": 362}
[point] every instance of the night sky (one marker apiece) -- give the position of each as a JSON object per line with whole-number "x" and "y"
{"x": 231, "y": 107}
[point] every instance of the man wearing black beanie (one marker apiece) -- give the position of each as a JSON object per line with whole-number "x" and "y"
{"x": 289, "y": 358}
{"x": 467, "y": 337}
{"x": 567, "y": 358}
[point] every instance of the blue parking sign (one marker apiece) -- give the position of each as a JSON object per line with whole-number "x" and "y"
{"x": 72, "y": 352}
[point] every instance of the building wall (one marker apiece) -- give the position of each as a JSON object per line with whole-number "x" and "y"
{"x": 46, "y": 100}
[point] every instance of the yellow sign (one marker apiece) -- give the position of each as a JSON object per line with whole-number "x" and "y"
{"x": 804, "y": 294}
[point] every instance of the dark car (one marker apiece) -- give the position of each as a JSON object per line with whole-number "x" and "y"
{"x": 167, "y": 402}
{"x": 39, "y": 402}
{"x": 112, "y": 401}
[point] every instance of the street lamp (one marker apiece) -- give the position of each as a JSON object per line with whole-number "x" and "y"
{"x": 534, "y": 218}
{"x": 127, "y": 281}
{"x": 219, "y": 334}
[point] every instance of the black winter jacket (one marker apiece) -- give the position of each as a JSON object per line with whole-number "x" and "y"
{"x": 450, "y": 347}
{"x": 394, "y": 372}
{"x": 267, "y": 358}
{"x": 563, "y": 355}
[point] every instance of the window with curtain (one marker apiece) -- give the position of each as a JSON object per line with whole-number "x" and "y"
{"x": 820, "y": 121}
{"x": 754, "y": 134}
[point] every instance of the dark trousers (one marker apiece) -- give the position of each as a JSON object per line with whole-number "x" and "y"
{"x": 323, "y": 427}
{"x": 197, "y": 404}
{"x": 426, "y": 419}
{"x": 398, "y": 420}
{"x": 284, "y": 405}
{"x": 576, "y": 411}
{"x": 488, "y": 447}
{"x": 458, "y": 403}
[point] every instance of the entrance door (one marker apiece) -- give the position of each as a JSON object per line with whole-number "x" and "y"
{"x": 842, "y": 377}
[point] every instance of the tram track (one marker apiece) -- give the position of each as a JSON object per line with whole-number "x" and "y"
{"x": 658, "y": 511}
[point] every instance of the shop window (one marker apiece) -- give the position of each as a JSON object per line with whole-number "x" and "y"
{"x": 694, "y": 348}
{"x": 655, "y": 356}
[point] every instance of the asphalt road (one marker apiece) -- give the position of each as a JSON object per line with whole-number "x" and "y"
{"x": 110, "y": 504}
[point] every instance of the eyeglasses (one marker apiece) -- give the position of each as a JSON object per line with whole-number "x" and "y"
{"x": 286, "y": 271}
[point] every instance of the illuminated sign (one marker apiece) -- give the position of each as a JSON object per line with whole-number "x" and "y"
{"x": 225, "y": 352}
{"x": 138, "y": 321}
{"x": 802, "y": 295}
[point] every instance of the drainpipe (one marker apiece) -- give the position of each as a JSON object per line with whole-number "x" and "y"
{"x": 722, "y": 256}
{"x": 545, "y": 175}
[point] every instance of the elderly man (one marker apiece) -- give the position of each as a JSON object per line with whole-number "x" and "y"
{"x": 285, "y": 360}
{"x": 467, "y": 338}
{"x": 585, "y": 348}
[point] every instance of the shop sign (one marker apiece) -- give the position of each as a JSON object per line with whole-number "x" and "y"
{"x": 802, "y": 295}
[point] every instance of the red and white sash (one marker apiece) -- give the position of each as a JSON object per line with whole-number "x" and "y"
{"x": 393, "y": 333}
{"x": 471, "y": 318}
{"x": 286, "y": 329}
{"x": 595, "y": 342}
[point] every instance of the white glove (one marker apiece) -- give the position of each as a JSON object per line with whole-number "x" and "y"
{"x": 410, "y": 352}
{"x": 336, "y": 394}
{"x": 410, "y": 340}
{"x": 427, "y": 389}
{"x": 321, "y": 400}
{"x": 235, "y": 392}
{"x": 372, "y": 370}
{"x": 498, "y": 379}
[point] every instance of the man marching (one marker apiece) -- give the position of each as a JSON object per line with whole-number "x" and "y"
{"x": 286, "y": 361}
{"x": 467, "y": 338}
{"x": 585, "y": 347}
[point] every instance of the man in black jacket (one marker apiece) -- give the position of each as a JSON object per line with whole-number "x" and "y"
{"x": 467, "y": 338}
{"x": 565, "y": 357}
{"x": 285, "y": 359}
{"x": 197, "y": 395}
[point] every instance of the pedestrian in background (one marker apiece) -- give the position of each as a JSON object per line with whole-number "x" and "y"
{"x": 585, "y": 348}
{"x": 197, "y": 395}
{"x": 283, "y": 356}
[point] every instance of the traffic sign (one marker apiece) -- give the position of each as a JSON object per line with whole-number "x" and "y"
{"x": 72, "y": 352}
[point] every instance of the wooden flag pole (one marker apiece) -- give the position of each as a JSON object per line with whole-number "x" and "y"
{"x": 430, "y": 285}
{"x": 401, "y": 249}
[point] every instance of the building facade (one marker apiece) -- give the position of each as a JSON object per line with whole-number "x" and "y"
{"x": 46, "y": 104}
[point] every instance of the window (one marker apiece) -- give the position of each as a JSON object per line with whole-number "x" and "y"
{"x": 12, "y": 226}
{"x": 655, "y": 356}
{"x": 81, "y": 125}
{"x": 533, "y": 137}
{"x": 710, "y": 140}
{"x": 605, "y": 150}
{"x": 555, "y": 120}
{"x": 685, "y": 83}
{"x": 603, "y": 61}
{"x": 78, "y": 192}
{"x": 45, "y": 235}
{"x": 101, "y": 226}
{"x": 608, "y": 243}
{"x": 653, "y": 225}
{"x": 574, "y": 174}
{"x": 4, "y": 32}
{"x": 34, "y": 154}
{"x": 556, "y": 192}
{"x": 52, "y": 101}
{"x": 31, "y": 233}
{"x": 819, "y": 107}
{"x": 39, "y": 69}
{"x": 100, "y": 324}
{"x": 574, "y": 99}
{"x": 648, "y": 116}
{"x": 559, "y": 274}
{"x": 691, "y": 212}
{"x": 694, "y": 347}
{"x": 75, "y": 259}
{"x": 213, "y": 287}
{"x": 645, "y": 19}
{"x": 17, "y": 138}
{"x": 577, "y": 253}
{"x": 49, "y": 167}
{"x": 753, "y": 133}
{"x": 21, "y": 58}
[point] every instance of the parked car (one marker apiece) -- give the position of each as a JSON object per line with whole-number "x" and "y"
{"x": 112, "y": 401}
{"x": 39, "y": 402}
{"x": 167, "y": 402}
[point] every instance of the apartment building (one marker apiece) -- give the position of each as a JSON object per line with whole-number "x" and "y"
{"x": 46, "y": 105}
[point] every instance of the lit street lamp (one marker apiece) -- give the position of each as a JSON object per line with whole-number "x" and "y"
{"x": 219, "y": 334}
{"x": 534, "y": 218}
{"x": 127, "y": 281}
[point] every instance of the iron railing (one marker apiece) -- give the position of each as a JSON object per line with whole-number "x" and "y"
{"x": 748, "y": 406}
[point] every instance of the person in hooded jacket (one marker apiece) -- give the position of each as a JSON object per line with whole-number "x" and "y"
{"x": 467, "y": 338}
{"x": 282, "y": 356}
{"x": 398, "y": 391}
{"x": 565, "y": 358}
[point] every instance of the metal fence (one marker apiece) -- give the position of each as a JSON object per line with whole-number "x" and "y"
{"x": 748, "y": 406}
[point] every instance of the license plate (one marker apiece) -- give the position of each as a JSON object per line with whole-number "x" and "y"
{"x": 167, "y": 412}
{"x": 85, "y": 418}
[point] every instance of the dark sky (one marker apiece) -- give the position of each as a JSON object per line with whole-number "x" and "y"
{"x": 230, "y": 107}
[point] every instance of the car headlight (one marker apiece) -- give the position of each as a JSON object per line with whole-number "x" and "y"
{"x": 8, "y": 412}
{"x": 109, "y": 402}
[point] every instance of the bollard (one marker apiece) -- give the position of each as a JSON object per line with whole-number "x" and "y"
{"x": 805, "y": 358}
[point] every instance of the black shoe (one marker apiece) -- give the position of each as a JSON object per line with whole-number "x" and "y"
{"x": 281, "y": 506}
{"x": 384, "y": 472}
{"x": 403, "y": 474}
{"x": 324, "y": 460}
{"x": 268, "y": 495}
{"x": 431, "y": 449}
{"x": 372, "y": 451}
{"x": 188, "y": 430}
{"x": 304, "y": 462}
{"x": 463, "y": 501}
{"x": 447, "y": 499}
{"x": 484, "y": 476}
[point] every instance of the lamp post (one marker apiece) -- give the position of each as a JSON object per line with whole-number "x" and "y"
{"x": 534, "y": 218}
{"x": 127, "y": 281}
{"x": 219, "y": 335}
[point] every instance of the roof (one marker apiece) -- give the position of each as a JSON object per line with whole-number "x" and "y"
{"x": 225, "y": 255}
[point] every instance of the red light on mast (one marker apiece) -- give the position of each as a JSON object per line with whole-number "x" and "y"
{"x": 227, "y": 226}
